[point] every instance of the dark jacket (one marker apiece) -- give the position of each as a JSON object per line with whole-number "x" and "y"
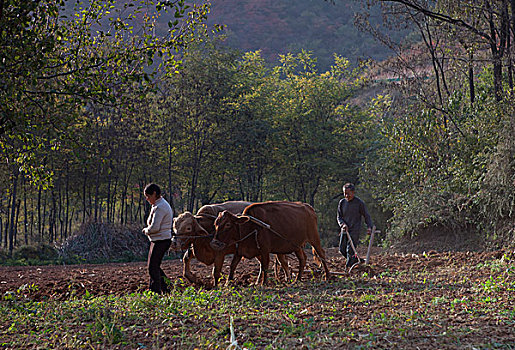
{"x": 350, "y": 213}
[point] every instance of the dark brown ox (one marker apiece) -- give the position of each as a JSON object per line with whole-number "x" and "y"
{"x": 198, "y": 231}
{"x": 281, "y": 228}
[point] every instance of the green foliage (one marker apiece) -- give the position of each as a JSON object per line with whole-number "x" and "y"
{"x": 234, "y": 128}
{"x": 496, "y": 197}
{"x": 445, "y": 160}
{"x": 57, "y": 63}
{"x": 43, "y": 252}
{"x": 443, "y": 167}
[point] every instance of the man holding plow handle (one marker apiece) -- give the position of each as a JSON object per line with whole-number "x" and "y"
{"x": 350, "y": 211}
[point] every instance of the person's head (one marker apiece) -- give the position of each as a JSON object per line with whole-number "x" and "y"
{"x": 152, "y": 193}
{"x": 348, "y": 191}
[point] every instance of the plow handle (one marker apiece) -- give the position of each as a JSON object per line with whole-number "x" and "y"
{"x": 349, "y": 238}
{"x": 370, "y": 244}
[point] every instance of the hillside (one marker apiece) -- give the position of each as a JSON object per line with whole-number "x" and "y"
{"x": 277, "y": 27}
{"x": 282, "y": 26}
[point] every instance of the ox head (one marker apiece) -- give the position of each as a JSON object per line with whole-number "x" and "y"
{"x": 186, "y": 229}
{"x": 226, "y": 229}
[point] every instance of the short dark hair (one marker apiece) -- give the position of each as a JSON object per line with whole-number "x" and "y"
{"x": 151, "y": 189}
{"x": 349, "y": 186}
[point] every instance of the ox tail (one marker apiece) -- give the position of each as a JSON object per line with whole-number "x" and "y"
{"x": 317, "y": 259}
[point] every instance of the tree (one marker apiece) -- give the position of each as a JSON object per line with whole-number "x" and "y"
{"x": 194, "y": 110}
{"x": 448, "y": 108}
{"x": 495, "y": 27}
{"x": 56, "y": 60}
{"x": 316, "y": 134}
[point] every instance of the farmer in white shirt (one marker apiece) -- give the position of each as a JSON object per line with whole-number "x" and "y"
{"x": 159, "y": 231}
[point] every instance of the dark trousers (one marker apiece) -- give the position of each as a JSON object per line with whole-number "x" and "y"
{"x": 155, "y": 256}
{"x": 346, "y": 248}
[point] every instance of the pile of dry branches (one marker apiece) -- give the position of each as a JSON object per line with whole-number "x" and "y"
{"x": 96, "y": 242}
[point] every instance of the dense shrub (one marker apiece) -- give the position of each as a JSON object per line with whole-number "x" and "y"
{"x": 42, "y": 252}
{"x": 101, "y": 242}
{"x": 457, "y": 177}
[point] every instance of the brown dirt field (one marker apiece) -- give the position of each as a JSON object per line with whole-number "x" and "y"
{"x": 61, "y": 282}
{"x": 468, "y": 294}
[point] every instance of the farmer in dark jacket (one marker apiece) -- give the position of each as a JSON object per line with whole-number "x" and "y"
{"x": 350, "y": 211}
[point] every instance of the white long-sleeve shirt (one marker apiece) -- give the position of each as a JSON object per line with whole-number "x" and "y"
{"x": 159, "y": 222}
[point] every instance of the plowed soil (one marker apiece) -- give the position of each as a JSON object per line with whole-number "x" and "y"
{"x": 429, "y": 300}
{"x": 121, "y": 278}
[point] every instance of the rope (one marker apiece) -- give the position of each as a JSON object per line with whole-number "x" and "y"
{"x": 199, "y": 236}
{"x": 255, "y": 232}
{"x": 244, "y": 238}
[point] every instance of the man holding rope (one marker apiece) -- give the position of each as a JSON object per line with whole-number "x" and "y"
{"x": 350, "y": 211}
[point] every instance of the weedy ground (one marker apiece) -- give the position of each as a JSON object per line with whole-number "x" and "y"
{"x": 431, "y": 300}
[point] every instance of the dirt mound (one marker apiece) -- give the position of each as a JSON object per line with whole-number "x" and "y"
{"x": 105, "y": 242}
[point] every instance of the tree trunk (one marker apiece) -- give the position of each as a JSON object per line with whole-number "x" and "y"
{"x": 18, "y": 205}
{"x": 70, "y": 222}
{"x": 43, "y": 220}
{"x": 67, "y": 205}
{"x": 497, "y": 52}
{"x": 472, "y": 89}
{"x": 25, "y": 218}
{"x": 510, "y": 67}
{"x": 195, "y": 174}
{"x": 52, "y": 233}
{"x": 314, "y": 192}
{"x": 170, "y": 186}
{"x": 141, "y": 202}
{"x": 90, "y": 203}
{"x": 32, "y": 222}
{"x": 125, "y": 191}
{"x": 97, "y": 191}
{"x": 122, "y": 200}
{"x": 498, "y": 78}
{"x": 7, "y": 221}
{"x": 59, "y": 222}
{"x": 40, "y": 232}
{"x": 84, "y": 196}
{"x": 113, "y": 201}
{"x": 108, "y": 203}
{"x": 1, "y": 229}
{"x": 13, "y": 212}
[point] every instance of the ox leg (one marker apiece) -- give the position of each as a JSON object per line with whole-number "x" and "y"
{"x": 264, "y": 263}
{"x": 283, "y": 260}
{"x": 186, "y": 272}
{"x": 217, "y": 269}
{"x": 302, "y": 263}
{"x": 318, "y": 250}
{"x": 234, "y": 263}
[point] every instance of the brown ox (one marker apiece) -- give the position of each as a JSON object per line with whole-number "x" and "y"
{"x": 198, "y": 230}
{"x": 281, "y": 228}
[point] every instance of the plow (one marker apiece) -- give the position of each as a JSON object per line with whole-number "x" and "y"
{"x": 359, "y": 263}
{"x": 362, "y": 265}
